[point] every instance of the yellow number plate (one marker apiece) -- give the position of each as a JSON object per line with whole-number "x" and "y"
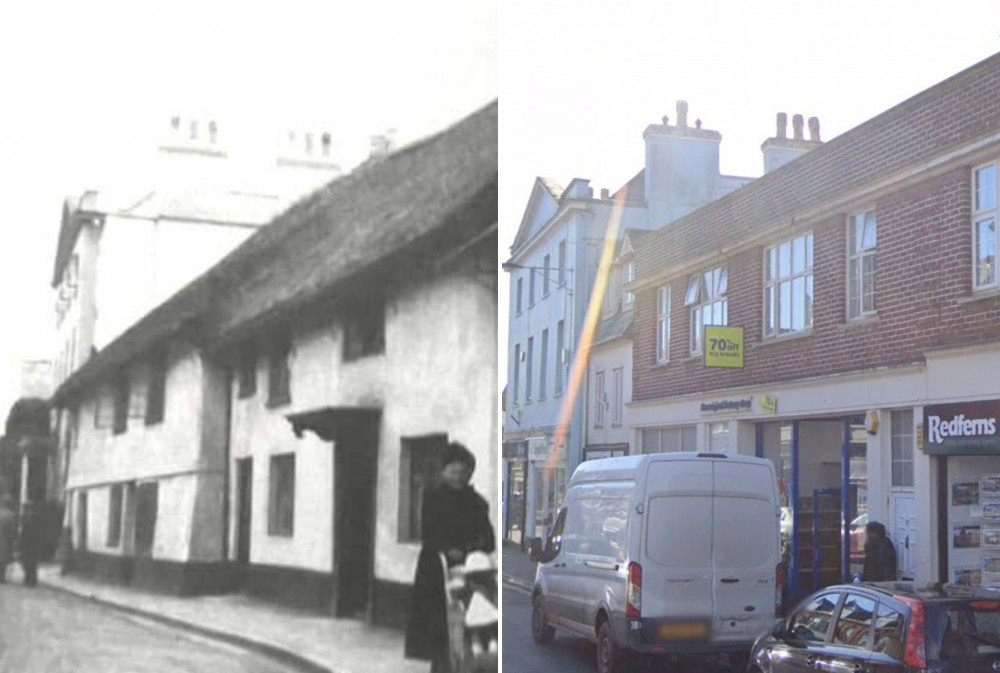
{"x": 680, "y": 630}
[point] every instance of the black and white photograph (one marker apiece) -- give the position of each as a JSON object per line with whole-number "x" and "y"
{"x": 250, "y": 380}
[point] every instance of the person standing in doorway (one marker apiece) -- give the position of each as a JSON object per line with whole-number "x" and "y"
{"x": 454, "y": 521}
{"x": 30, "y": 544}
{"x": 8, "y": 534}
{"x": 880, "y": 554}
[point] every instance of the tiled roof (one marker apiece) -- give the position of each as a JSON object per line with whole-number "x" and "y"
{"x": 555, "y": 189}
{"x": 614, "y": 327}
{"x": 963, "y": 108}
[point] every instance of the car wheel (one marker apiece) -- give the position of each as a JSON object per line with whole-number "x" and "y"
{"x": 540, "y": 629}
{"x": 608, "y": 656}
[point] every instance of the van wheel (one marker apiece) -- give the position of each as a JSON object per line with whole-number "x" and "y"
{"x": 608, "y": 656}
{"x": 540, "y": 629}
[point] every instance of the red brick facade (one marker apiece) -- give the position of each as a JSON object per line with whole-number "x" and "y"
{"x": 924, "y": 267}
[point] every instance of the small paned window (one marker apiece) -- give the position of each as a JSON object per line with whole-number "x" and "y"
{"x": 706, "y": 295}
{"x": 788, "y": 286}
{"x": 861, "y": 258}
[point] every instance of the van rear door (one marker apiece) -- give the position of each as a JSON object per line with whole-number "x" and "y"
{"x": 676, "y": 544}
{"x": 745, "y": 550}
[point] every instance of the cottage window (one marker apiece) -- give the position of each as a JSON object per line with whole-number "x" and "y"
{"x": 984, "y": 227}
{"x": 788, "y": 286}
{"x": 157, "y": 391}
{"x": 706, "y": 295}
{"x": 364, "y": 330}
{"x": 861, "y": 255}
{"x": 419, "y": 469}
{"x": 114, "y": 516}
{"x": 663, "y": 324}
{"x": 600, "y": 399}
{"x": 120, "y": 400}
{"x": 103, "y": 408}
{"x": 281, "y": 502}
{"x": 278, "y": 372}
{"x": 246, "y": 371}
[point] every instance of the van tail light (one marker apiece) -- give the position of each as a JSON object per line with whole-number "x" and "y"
{"x": 633, "y": 592}
{"x": 780, "y": 575}
{"x": 916, "y": 656}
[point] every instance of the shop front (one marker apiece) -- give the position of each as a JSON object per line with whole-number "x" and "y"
{"x": 546, "y": 486}
{"x": 963, "y": 439}
{"x": 515, "y": 480}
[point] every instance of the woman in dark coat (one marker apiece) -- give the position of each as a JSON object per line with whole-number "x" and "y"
{"x": 880, "y": 554}
{"x": 454, "y": 521}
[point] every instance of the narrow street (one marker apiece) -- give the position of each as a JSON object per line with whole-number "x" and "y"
{"x": 42, "y": 630}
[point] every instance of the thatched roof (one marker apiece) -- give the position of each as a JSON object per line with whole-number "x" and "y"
{"x": 420, "y": 201}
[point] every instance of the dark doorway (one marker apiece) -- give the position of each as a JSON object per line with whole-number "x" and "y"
{"x": 244, "y": 503}
{"x": 81, "y": 520}
{"x": 355, "y": 455}
{"x": 147, "y": 496}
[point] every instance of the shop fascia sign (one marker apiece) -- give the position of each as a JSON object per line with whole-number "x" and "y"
{"x": 538, "y": 448}
{"x": 965, "y": 428}
{"x": 716, "y": 406}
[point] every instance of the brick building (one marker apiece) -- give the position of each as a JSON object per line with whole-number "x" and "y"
{"x": 863, "y": 275}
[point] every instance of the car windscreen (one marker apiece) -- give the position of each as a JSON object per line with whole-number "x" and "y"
{"x": 969, "y": 628}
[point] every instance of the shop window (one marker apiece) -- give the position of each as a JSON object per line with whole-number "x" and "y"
{"x": 665, "y": 440}
{"x": 984, "y": 227}
{"x": 706, "y": 295}
{"x": 788, "y": 286}
{"x": 600, "y": 399}
{"x": 114, "y": 516}
{"x": 281, "y": 496}
{"x": 902, "y": 448}
{"x": 861, "y": 256}
{"x": 663, "y": 324}
{"x": 718, "y": 437}
{"x": 419, "y": 469}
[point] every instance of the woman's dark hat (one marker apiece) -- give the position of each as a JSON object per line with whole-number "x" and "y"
{"x": 457, "y": 453}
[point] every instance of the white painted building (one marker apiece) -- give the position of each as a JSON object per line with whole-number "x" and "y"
{"x": 308, "y": 382}
{"x": 553, "y": 263}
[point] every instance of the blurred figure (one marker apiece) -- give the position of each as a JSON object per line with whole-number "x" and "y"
{"x": 30, "y": 544}
{"x": 880, "y": 554}
{"x": 8, "y": 534}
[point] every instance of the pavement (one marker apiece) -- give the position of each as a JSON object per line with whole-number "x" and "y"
{"x": 307, "y": 641}
{"x": 518, "y": 571}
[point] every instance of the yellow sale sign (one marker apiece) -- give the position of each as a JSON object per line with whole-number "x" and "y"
{"x": 723, "y": 346}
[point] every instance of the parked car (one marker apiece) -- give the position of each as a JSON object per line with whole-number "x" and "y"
{"x": 886, "y": 627}
{"x": 662, "y": 554}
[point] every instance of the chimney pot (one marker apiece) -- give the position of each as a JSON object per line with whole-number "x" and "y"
{"x": 814, "y": 129}
{"x": 682, "y": 114}
{"x": 697, "y": 123}
{"x": 797, "y": 127}
{"x": 666, "y": 120}
{"x": 782, "y": 125}
{"x": 605, "y": 194}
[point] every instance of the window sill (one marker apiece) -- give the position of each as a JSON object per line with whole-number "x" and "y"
{"x": 979, "y": 295}
{"x": 863, "y": 321}
{"x": 804, "y": 334}
{"x": 660, "y": 363}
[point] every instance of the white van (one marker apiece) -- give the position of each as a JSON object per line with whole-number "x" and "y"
{"x": 673, "y": 553}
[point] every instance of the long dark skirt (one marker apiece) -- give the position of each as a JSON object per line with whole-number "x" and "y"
{"x": 427, "y": 633}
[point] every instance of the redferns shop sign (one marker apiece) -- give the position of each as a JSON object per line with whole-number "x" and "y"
{"x": 965, "y": 428}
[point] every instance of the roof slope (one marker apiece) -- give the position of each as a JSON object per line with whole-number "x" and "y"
{"x": 380, "y": 209}
{"x": 961, "y": 109}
